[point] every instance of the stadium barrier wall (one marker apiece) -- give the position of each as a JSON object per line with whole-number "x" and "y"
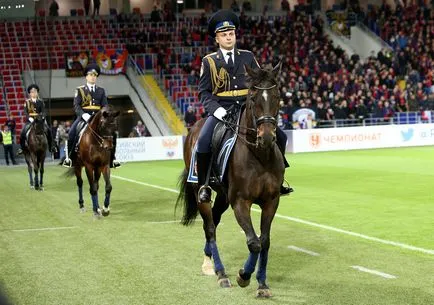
{"x": 149, "y": 148}
{"x": 348, "y": 138}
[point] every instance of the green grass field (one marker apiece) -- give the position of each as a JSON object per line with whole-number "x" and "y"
{"x": 372, "y": 209}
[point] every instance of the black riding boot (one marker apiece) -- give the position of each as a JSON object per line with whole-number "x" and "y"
{"x": 51, "y": 147}
{"x": 203, "y": 163}
{"x": 113, "y": 162}
{"x": 285, "y": 190}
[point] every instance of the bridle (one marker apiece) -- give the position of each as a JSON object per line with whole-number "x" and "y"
{"x": 267, "y": 118}
{"x": 100, "y": 139}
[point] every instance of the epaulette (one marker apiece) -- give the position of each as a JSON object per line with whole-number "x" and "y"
{"x": 210, "y": 54}
{"x": 82, "y": 86}
{"x": 244, "y": 51}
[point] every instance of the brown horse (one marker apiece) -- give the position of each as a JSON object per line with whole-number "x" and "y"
{"x": 93, "y": 154}
{"x": 36, "y": 151}
{"x": 255, "y": 173}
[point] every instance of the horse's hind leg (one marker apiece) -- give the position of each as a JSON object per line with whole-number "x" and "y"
{"x": 220, "y": 206}
{"x": 211, "y": 244}
{"x": 77, "y": 171}
{"x": 108, "y": 190}
{"x": 242, "y": 214}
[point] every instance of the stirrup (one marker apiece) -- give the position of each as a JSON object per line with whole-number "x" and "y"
{"x": 19, "y": 151}
{"x": 116, "y": 164}
{"x": 204, "y": 187}
{"x": 285, "y": 190}
{"x": 67, "y": 163}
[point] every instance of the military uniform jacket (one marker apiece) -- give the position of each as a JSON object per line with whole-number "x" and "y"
{"x": 32, "y": 109}
{"x": 89, "y": 102}
{"x": 220, "y": 85}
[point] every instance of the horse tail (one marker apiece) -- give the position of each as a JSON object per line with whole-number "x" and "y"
{"x": 187, "y": 198}
{"x": 69, "y": 173}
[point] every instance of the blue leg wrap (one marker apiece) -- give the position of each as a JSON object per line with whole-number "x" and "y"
{"x": 218, "y": 265}
{"x": 95, "y": 202}
{"x": 261, "y": 275}
{"x": 207, "y": 249}
{"x": 107, "y": 200}
{"x": 249, "y": 266}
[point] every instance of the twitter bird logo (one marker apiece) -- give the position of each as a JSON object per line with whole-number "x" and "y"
{"x": 407, "y": 134}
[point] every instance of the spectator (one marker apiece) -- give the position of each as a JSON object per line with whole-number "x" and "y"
{"x": 96, "y": 6}
{"x": 61, "y": 138}
{"x": 190, "y": 117}
{"x": 54, "y": 9}
{"x": 235, "y": 7}
{"x": 54, "y": 128}
{"x": 156, "y": 15}
{"x": 285, "y": 5}
{"x": 12, "y": 125}
{"x": 86, "y": 4}
{"x": 140, "y": 130}
{"x": 7, "y": 141}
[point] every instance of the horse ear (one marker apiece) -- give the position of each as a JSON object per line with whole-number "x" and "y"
{"x": 276, "y": 69}
{"x": 251, "y": 72}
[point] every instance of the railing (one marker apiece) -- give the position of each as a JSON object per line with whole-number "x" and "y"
{"x": 398, "y": 119}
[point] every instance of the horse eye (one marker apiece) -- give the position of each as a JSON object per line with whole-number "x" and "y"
{"x": 105, "y": 114}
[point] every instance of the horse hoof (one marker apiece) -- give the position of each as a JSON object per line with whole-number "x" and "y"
{"x": 32, "y": 187}
{"x": 263, "y": 293}
{"x": 105, "y": 211}
{"x": 97, "y": 214}
{"x": 207, "y": 266}
{"x": 242, "y": 282}
{"x": 83, "y": 210}
{"x": 224, "y": 283}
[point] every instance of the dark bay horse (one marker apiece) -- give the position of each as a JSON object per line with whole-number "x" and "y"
{"x": 94, "y": 155}
{"x": 35, "y": 153}
{"x": 255, "y": 173}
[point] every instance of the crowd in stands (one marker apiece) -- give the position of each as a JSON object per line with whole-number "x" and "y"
{"x": 321, "y": 77}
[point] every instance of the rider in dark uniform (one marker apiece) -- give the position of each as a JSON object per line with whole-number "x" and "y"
{"x": 34, "y": 106}
{"x": 88, "y": 100}
{"x": 223, "y": 83}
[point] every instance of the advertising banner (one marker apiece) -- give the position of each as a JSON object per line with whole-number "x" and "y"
{"x": 328, "y": 139}
{"x": 149, "y": 148}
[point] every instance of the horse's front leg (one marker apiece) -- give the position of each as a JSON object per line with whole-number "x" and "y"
{"x": 41, "y": 173}
{"x": 108, "y": 190}
{"x": 211, "y": 244}
{"x": 242, "y": 214}
{"x": 267, "y": 215}
{"x": 30, "y": 170}
{"x": 77, "y": 171}
{"x": 93, "y": 188}
{"x": 36, "y": 172}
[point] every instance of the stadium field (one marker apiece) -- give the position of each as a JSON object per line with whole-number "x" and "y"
{"x": 357, "y": 231}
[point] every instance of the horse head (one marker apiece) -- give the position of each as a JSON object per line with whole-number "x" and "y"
{"x": 104, "y": 124}
{"x": 39, "y": 124}
{"x": 263, "y": 104}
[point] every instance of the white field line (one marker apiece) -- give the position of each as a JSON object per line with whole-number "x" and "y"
{"x": 309, "y": 223}
{"x": 376, "y": 272}
{"x": 44, "y": 229}
{"x": 303, "y": 250}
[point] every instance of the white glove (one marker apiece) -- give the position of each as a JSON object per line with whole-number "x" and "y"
{"x": 85, "y": 116}
{"x": 220, "y": 113}
{"x": 31, "y": 120}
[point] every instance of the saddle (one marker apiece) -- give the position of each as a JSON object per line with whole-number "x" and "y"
{"x": 223, "y": 140}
